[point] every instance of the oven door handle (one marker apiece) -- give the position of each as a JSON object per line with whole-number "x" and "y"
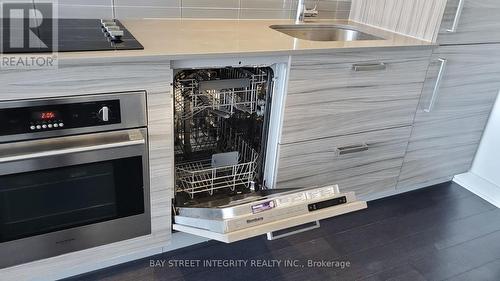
{"x": 72, "y": 150}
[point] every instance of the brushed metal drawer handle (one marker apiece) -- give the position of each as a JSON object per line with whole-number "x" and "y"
{"x": 456, "y": 21}
{"x": 339, "y": 151}
{"x": 437, "y": 86}
{"x": 369, "y": 66}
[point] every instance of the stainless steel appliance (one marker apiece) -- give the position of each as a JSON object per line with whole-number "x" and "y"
{"x": 73, "y": 174}
{"x": 222, "y": 131}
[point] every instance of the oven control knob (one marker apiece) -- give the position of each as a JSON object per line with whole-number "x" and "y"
{"x": 103, "y": 114}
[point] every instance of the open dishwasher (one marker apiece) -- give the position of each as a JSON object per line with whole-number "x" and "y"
{"x": 222, "y": 137}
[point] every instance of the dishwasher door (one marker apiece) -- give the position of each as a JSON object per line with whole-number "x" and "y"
{"x": 244, "y": 216}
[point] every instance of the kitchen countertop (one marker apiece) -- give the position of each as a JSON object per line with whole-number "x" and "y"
{"x": 187, "y": 39}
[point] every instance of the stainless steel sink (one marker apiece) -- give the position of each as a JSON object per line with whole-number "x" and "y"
{"x": 320, "y": 32}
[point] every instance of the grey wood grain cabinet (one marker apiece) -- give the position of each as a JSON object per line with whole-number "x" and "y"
{"x": 366, "y": 163}
{"x": 459, "y": 93}
{"x": 470, "y": 21}
{"x": 352, "y": 92}
{"x": 347, "y": 119}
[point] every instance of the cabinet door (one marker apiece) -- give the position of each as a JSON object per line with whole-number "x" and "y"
{"x": 470, "y": 21}
{"x": 367, "y": 163}
{"x": 459, "y": 93}
{"x": 352, "y": 92}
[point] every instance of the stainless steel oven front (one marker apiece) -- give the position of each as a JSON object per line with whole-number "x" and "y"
{"x": 73, "y": 174}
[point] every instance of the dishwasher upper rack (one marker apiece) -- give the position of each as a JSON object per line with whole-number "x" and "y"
{"x": 199, "y": 176}
{"x": 224, "y": 93}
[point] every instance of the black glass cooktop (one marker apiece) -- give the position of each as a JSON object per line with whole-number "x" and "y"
{"x": 77, "y": 35}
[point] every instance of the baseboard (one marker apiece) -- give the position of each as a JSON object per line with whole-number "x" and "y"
{"x": 178, "y": 240}
{"x": 70, "y": 272}
{"x": 182, "y": 240}
{"x": 479, "y": 186}
{"x": 402, "y": 189}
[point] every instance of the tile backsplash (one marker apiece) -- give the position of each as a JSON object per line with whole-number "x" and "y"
{"x": 228, "y": 9}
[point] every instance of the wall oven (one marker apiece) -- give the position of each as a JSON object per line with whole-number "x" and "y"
{"x": 73, "y": 174}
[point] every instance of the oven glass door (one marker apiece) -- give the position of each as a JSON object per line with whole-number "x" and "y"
{"x": 60, "y": 184}
{"x": 43, "y": 201}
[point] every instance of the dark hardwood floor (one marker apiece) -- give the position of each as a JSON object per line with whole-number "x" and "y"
{"x": 443, "y": 232}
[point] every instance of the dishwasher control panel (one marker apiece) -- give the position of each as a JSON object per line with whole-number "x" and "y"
{"x": 327, "y": 203}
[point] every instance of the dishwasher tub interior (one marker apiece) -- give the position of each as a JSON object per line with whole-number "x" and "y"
{"x": 221, "y": 121}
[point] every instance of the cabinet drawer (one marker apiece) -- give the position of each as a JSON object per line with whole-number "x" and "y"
{"x": 477, "y": 21}
{"x": 328, "y": 97}
{"x": 366, "y": 163}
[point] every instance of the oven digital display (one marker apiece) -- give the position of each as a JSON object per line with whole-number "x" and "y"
{"x": 46, "y": 115}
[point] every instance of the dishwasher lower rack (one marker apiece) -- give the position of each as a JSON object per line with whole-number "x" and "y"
{"x": 200, "y": 176}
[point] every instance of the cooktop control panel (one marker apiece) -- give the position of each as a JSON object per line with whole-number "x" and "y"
{"x": 50, "y": 117}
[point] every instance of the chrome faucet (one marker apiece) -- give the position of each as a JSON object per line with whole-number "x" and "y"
{"x": 303, "y": 12}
